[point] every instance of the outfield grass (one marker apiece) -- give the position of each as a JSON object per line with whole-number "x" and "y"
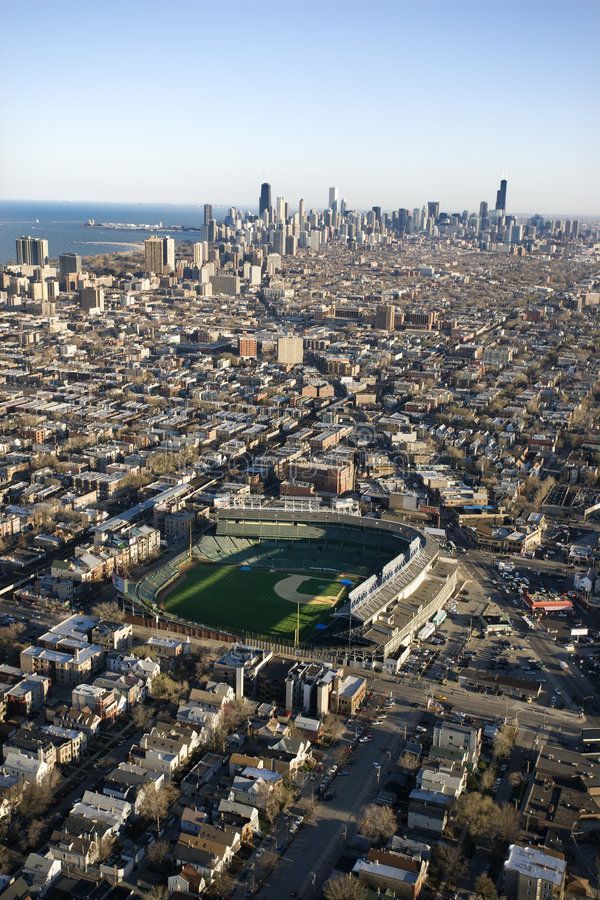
{"x": 227, "y": 597}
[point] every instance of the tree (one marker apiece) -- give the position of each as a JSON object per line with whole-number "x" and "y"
{"x": 34, "y": 833}
{"x": 474, "y": 811}
{"x": 234, "y": 714}
{"x": 140, "y": 715}
{"x": 157, "y": 854}
{"x": 504, "y": 741}
{"x": 332, "y": 728}
{"x": 10, "y": 634}
{"x": 409, "y": 761}
{"x": 449, "y": 863}
{"x": 515, "y": 779}
{"x": 377, "y": 822}
{"x": 156, "y": 803}
{"x": 505, "y": 823}
{"x": 36, "y": 798}
{"x": 221, "y": 887}
{"x": 272, "y": 807}
{"x": 341, "y": 756}
{"x": 485, "y": 889}
{"x": 158, "y": 892}
{"x": 165, "y": 688}
{"x": 486, "y": 780}
{"x": 203, "y": 661}
{"x": 344, "y": 887}
{"x": 108, "y": 612}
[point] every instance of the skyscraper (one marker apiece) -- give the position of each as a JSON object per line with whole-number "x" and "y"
{"x": 501, "y": 196}
{"x": 433, "y": 210}
{"x": 32, "y": 251}
{"x": 333, "y": 199}
{"x": 69, "y": 263}
{"x": 208, "y": 216}
{"x": 281, "y": 210}
{"x": 200, "y": 252}
{"x": 159, "y": 254}
{"x": 265, "y": 197}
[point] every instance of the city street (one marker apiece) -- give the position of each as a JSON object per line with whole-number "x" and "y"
{"x": 308, "y": 859}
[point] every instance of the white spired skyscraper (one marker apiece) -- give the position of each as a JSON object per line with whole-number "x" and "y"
{"x": 333, "y": 199}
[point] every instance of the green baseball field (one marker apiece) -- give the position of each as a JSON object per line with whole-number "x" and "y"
{"x": 255, "y": 599}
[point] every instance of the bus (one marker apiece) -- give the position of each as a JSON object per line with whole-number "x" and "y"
{"x": 529, "y": 623}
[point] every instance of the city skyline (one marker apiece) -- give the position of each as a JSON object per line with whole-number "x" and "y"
{"x": 429, "y": 107}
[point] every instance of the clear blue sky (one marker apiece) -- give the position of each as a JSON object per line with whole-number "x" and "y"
{"x": 397, "y": 102}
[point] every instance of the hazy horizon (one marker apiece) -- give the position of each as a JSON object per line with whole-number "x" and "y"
{"x": 251, "y": 207}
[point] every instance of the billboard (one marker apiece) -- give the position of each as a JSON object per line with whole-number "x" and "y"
{"x": 120, "y": 584}
{"x": 579, "y": 632}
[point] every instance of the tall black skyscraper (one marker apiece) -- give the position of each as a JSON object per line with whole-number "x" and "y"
{"x": 501, "y": 196}
{"x": 208, "y": 216}
{"x": 265, "y": 197}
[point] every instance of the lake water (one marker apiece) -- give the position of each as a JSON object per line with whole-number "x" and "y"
{"x": 63, "y": 225}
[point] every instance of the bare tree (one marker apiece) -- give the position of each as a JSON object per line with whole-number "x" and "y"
{"x": 204, "y": 659}
{"x": 157, "y": 853}
{"x": 269, "y": 860}
{"x": 165, "y": 688}
{"x": 485, "y": 889}
{"x": 449, "y": 863}
{"x": 409, "y": 761}
{"x": 344, "y": 887}
{"x": 504, "y": 741}
{"x": 140, "y": 715}
{"x": 157, "y": 802}
{"x": 505, "y": 823}
{"x": 333, "y": 728}
{"x": 486, "y": 780}
{"x": 515, "y": 779}
{"x": 34, "y": 833}
{"x": 221, "y": 887}
{"x": 158, "y": 892}
{"x": 108, "y": 612}
{"x": 474, "y": 811}
{"x": 377, "y": 822}
{"x": 341, "y": 756}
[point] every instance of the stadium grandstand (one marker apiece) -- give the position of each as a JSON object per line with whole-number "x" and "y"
{"x": 408, "y": 580}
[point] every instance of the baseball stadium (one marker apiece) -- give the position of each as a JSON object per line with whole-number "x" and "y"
{"x": 304, "y": 576}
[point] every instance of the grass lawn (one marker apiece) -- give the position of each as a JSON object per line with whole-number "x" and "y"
{"x": 319, "y": 587}
{"x": 226, "y": 597}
